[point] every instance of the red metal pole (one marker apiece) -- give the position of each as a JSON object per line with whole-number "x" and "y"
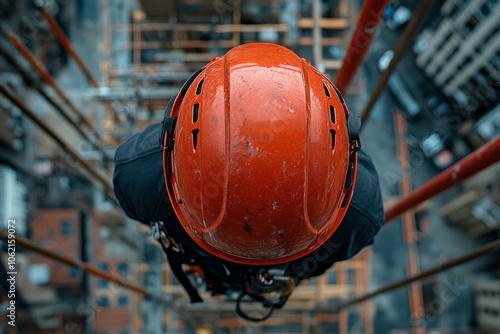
{"x": 61, "y": 37}
{"x": 28, "y": 244}
{"x": 42, "y": 71}
{"x": 368, "y": 20}
{"x": 485, "y": 156}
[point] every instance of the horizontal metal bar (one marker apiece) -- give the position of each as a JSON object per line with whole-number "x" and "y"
{"x": 220, "y": 28}
{"x": 28, "y": 244}
{"x": 495, "y": 245}
{"x": 105, "y": 93}
{"x": 324, "y": 23}
{"x": 485, "y": 156}
{"x": 142, "y": 75}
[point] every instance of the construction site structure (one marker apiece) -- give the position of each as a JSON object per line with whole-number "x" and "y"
{"x": 93, "y": 270}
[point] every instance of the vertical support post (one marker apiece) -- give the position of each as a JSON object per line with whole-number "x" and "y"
{"x": 317, "y": 38}
{"x": 368, "y": 20}
{"x": 409, "y": 228}
{"x": 136, "y": 33}
{"x": 236, "y": 21}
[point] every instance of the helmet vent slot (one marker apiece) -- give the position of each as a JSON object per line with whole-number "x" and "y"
{"x": 196, "y": 109}
{"x": 198, "y": 89}
{"x": 327, "y": 92}
{"x": 332, "y": 133}
{"x": 332, "y": 114}
{"x": 195, "y": 138}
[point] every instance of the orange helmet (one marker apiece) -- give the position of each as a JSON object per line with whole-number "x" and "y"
{"x": 259, "y": 156}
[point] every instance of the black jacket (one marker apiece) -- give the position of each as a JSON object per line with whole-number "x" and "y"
{"x": 140, "y": 189}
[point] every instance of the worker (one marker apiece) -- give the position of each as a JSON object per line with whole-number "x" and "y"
{"x": 255, "y": 179}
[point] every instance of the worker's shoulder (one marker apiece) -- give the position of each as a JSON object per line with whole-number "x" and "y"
{"x": 139, "y": 145}
{"x": 367, "y": 199}
{"x": 138, "y": 175}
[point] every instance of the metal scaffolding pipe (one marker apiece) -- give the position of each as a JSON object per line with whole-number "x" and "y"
{"x": 495, "y": 245}
{"x": 108, "y": 188}
{"x": 406, "y": 38}
{"x": 61, "y": 37}
{"x": 368, "y": 20}
{"x": 104, "y": 93}
{"x": 66, "y": 44}
{"x": 317, "y": 35}
{"x": 42, "y": 71}
{"x": 41, "y": 89}
{"x": 28, "y": 244}
{"x": 485, "y": 156}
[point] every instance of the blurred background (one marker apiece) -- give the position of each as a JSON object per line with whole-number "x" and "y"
{"x": 83, "y": 76}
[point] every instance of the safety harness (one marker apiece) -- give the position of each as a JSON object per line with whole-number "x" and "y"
{"x": 269, "y": 286}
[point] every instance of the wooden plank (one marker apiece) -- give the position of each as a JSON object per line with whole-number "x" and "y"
{"x": 336, "y": 23}
{"x": 462, "y": 200}
{"x": 229, "y": 28}
{"x": 152, "y": 26}
{"x": 182, "y": 44}
{"x": 332, "y": 64}
{"x": 325, "y": 41}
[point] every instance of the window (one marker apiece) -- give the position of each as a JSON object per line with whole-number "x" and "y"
{"x": 103, "y": 266}
{"x": 123, "y": 300}
{"x": 102, "y": 283}
{"x": 74, "y": 272}
{"x": 67, "y": 227}
{"x": 471, "y": 24}
{"x": 332, "y": 277}
{"x": 122, "y": 268}
{"x": 103, "y": 301}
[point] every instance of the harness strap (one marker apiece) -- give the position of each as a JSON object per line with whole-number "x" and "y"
{"x": 176, "y": 257}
